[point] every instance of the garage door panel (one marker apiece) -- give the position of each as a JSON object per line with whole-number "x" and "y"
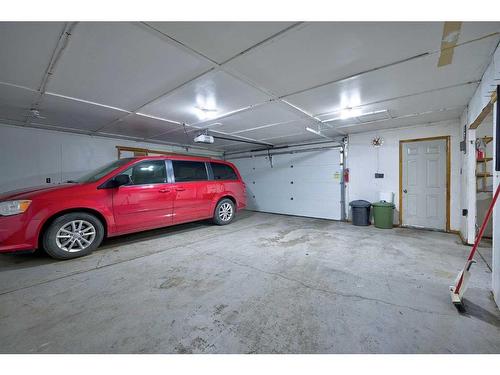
{"x": 315, "y": 191}
{"x": 300, "y": 205}
{"x": 245, "y": 166}
{"x": 317, "y": 174}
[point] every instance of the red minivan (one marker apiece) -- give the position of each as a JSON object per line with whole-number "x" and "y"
{"x": 125, "y": 196}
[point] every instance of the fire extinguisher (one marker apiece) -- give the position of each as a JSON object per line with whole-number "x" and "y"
{"x": 480, "y": 147}
{"x": 346, "y": 175}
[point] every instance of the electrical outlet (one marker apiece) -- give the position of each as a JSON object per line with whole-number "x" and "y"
{"x": 379, "y": 175}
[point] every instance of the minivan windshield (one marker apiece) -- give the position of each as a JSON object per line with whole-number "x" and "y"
{"x": 103, "y": 171}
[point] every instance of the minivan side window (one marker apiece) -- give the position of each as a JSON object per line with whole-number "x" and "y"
{"x": 185, "y": 171}
{"x": 223, "y": 172}
{"x": 147, "y": 172}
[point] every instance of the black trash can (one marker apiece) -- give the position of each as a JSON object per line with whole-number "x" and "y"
{"x": 360, "y": 212}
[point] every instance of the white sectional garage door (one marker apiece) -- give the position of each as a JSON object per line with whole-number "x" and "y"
{"x": 302, "y": 183}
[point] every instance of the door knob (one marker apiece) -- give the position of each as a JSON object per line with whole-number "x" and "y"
{"x": 405, "y": 191}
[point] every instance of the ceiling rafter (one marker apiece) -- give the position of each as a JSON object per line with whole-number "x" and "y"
{"x": 214, "y": 66}
{"x": 57, "y": 53}
{"x": 65, "y": 36}
{"x": 36, "y": 125}
{"x": 408, "y": 95}
{"x": 410, "y": 115}
{"x": 221, "y": 67}
{"x": 402, "y": 61}
{"x": 283, "y": 98}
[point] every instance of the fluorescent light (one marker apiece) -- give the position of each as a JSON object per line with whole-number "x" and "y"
{"x": 314, "y": 131}
{"x": 317, "y": 132}
{"x": 349, "y": 113}
{"x": 205, "y": 113}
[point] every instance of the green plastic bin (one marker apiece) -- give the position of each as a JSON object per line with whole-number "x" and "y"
{"x": 383, "y": 214}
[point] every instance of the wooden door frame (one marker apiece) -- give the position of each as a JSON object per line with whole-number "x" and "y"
{"x": 448, "y": 174}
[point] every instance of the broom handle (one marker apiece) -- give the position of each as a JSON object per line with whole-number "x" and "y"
{"x": 479, "y": 235}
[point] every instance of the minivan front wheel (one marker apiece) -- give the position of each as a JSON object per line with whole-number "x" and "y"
{"x": 73, "y": 235}
{"x": 224, "y": 212}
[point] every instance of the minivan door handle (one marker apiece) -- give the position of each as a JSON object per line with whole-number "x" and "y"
{"x": 163, "y": 190}
{"x": 180, "y": 189}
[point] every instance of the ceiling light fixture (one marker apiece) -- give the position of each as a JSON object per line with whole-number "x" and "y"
{"x": 356, "y": 113}
{"x": 311, "y": 130}
{"x": 317, "y": 132}
{"x": 205, "y": 113}
{"x": 349, "y": 112}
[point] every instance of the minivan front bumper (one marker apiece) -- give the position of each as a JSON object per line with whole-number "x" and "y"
{"x": 18, "y": 234}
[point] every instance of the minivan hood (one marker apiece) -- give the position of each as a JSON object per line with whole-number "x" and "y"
{"x": 28, "y": 193}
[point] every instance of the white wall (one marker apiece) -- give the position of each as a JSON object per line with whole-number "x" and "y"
{"x": 28, "y": 156}
{"x": 464, "y": 176}
{"x": 362, "y": 162}
{"x": 479, "y": 100}
{"x": 496, "y": 224}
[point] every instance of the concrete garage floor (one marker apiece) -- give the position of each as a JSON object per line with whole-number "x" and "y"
{"x": 264, "y": 284}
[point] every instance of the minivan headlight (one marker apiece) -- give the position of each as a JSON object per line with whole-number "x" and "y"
{"x": 13, "y": 207}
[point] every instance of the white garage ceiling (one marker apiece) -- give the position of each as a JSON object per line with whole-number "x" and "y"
{"x": 165, "y": 82}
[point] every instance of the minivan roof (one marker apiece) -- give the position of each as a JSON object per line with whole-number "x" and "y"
{"x": 181, "y": 157}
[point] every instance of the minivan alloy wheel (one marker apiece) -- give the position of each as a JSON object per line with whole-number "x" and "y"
{"x": 225, "y": 212}
{"x": 75, "y": 236}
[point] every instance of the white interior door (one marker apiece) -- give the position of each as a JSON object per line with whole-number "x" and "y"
{"x": 302, "y": 183}
{"x": 424, "y": 184}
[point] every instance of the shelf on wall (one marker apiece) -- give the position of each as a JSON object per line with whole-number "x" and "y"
{"x": 487, "y": 139}
{"x": 485, "y": 160}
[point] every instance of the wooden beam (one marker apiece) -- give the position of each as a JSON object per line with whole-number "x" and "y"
{"x": 451, "y": 32}
{"x": 485, "y": 112}
{"x": 138, "y": 151}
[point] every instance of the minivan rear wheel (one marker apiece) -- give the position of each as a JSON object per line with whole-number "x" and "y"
{"x": 73, "y": 235}
{"x": 224, "y": 212}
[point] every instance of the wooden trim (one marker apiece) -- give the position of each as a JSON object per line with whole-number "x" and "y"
{"x": 448, "y": 174}
{"x": 401, "y": 183}
{"x": 448, "y": 44}
{"x": 142, "y": 150}
{"x": 425, "y": 139}
{"x": 145, "y": 151}
{"x": 480, "y": 118}
{"x": 448, "y": 183}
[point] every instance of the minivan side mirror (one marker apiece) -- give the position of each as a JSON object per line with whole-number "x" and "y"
{"x": 121, "y": 179}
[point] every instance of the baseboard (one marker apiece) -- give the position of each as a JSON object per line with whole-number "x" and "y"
{"x": 459, "y": 234}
